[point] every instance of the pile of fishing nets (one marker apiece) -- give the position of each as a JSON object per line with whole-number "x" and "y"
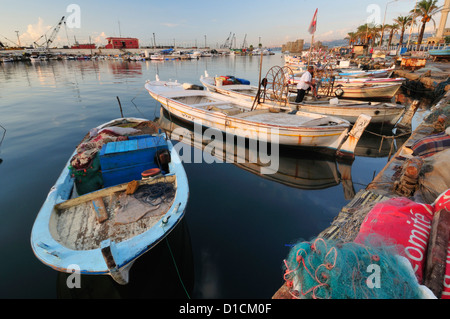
{"x": 325, "y": 269}
{"x": 229, "y": 79}
{"x": 87, "y": 150}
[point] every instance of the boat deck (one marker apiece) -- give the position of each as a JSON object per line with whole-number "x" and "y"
{"x": 74, "y": 224}
{"x": 286, "y": 119}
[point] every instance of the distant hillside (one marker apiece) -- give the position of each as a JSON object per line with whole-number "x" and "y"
{"x": 343, "y": 42}
{"x": 330, "y": 44}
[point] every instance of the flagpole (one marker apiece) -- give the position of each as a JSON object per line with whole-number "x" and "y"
{"x": 312, "y": 30}
{"x": 310, "y": 49}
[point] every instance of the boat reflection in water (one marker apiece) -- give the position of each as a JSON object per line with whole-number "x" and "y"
{"x": 295, "y": 168}
{"x": 380, "y": 145}
{"x": 167, "y": 272}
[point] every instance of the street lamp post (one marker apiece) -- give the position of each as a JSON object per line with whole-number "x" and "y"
{"x": 384, "y": 22}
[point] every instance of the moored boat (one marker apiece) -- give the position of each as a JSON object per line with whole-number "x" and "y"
{"x": 369, "y": 80}
{"x": 122, "y": 191}
{"x": 380, "y": 112}
{"x": 302, "y": 170}
{"x": 361, "y": 91}
{"x": 236, "y": 117}
{"x": 380, "y": 73}
{"x": 440, "y": 53}
{"x": 157, "y": 57}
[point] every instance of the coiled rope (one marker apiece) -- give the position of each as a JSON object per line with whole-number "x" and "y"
{"x": 155, "y": 194}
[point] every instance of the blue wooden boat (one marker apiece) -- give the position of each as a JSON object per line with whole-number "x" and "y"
{"x": 440, "y": 53}
{"x": 141, "y": 198}
{"x": 381, "y": 73}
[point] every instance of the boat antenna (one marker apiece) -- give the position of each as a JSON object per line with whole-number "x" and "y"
{"x": 259, "y": 82}
{"x": 120, "y": 106}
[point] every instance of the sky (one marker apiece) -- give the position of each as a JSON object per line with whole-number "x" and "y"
{"x": 188, "y": 23}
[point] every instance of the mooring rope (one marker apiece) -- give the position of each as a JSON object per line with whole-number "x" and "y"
{"x": 142, "y": 90}
{"x": 3, "y": 136}
{"x": 155, "y": 194}
{"x": 393, "y": 137}
{"x": 176, "y": 268}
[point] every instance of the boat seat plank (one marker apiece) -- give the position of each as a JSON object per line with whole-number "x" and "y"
{"x": 251, "y": 113}
{"x": 107, "y": 191}
{"x": 206, "y": 104}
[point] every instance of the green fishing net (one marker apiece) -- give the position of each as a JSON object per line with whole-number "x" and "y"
{"x": 325, "y": 269}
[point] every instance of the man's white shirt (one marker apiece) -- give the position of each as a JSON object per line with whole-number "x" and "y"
{"x": 306, "y": 77}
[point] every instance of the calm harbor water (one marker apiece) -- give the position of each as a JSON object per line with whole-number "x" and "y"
{"x": 239, "y": 225}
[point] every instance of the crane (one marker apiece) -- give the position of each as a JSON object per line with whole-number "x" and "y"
{"x": 52, "y": 37}
{"x": 227, "y": 42}
{"x": 3, "y": 45}
{"x": 244, "y": 44}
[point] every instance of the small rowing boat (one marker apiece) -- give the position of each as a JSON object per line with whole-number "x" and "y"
{"x": 122, "y": 192}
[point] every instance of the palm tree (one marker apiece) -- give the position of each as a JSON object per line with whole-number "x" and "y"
{"x": 363, "y": 33}
{"x": 393, "y": 28}
{"x": 425, "y": 10}
{"x": 368, "y": 33}
{"x": 351, "y": 37}
{"x": 375, "y": 31}
{"x": 403, "y": 23}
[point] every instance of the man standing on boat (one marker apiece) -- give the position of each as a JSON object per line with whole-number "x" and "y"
{"x": 304, "y": 84}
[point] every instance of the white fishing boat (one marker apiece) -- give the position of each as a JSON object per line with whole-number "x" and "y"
{"x": 236, "y": 117}
{"x": 289, "y": 59}
{"x": 343, "y": 81}
{"x": 195, "y": 54}
{"x": 131, "y": 194}
{"x": 361, "y": 91}
{"x": 157, "y": 57}
{"x": 381, "y": 112}
{"x": 206, "y": 54}
{"x": 380, "y": 73}
{"x": 353, "y": 81}
{"x": 303, "y": 170}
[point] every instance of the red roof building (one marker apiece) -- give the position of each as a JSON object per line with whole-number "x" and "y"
{"x": 84, "y": 46}
{"x": 122, "y": 43}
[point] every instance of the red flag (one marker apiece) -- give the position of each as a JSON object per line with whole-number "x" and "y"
{"x": 312, "y": 26}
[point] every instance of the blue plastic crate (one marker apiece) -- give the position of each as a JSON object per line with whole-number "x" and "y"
{"x": 123, "y": 161}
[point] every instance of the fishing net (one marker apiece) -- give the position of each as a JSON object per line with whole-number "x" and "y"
{"x": 325, "y": 269}
{"x": 155, "y": 194}
{"x": 150, "y": 200}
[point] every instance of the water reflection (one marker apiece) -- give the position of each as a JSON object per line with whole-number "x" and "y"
{"x": 164, "y": 272}
{"x": 125, "y": 69}
{"x": 372, "y": 144}
{"x": 296, "y": 168}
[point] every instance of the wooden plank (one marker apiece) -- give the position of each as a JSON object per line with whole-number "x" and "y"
{"x": 437, "y": 252}
{"x": 99, "y": 209}
{"x": 110, "y": 190}
{"x": 348, "y": 147}
{"x": 405, "y": 123}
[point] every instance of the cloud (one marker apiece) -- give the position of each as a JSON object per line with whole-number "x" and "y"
{"x": 170, "y": 25}
{"x": 34, "y": 32}
{"x": 333, "y": 34}
{"x": 100, "y": 39}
